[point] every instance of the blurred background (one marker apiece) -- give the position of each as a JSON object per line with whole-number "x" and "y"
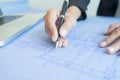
{"x": 30, "y": 6}
{"x": 9, "y": 7}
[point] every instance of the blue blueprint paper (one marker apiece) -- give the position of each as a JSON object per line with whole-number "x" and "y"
{"x": 34, "y": 57}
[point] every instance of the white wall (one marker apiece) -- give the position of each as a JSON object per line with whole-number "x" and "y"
{"x": 92, "y": 7}
{"x": 45, "y": 4}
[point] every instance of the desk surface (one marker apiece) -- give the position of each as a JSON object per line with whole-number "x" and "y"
{"x": 33, "y": 56}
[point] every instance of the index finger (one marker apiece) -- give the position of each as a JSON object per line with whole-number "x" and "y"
{"x": 112, "y": 28}
{"x": 50, "y": 26}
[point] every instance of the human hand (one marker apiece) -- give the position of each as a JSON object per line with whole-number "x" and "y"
{"x": 113, "y": 40}
{"x": 51, "y": 19}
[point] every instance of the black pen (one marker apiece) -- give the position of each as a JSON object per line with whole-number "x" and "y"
{"x": 61, "y": 19}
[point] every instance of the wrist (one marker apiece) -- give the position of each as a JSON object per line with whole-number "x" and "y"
{"x": 74, "y": 12}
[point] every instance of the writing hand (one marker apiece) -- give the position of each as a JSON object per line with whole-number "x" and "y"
{"x": 51, "y": 19}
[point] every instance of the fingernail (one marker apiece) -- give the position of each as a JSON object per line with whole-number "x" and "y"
{"x": 64, "y": 42}
{"x": 54, "y": 38}
{"x": 63, "y": 32}
{"x": 103, "y": 44}
{"x": 110, "y": 50}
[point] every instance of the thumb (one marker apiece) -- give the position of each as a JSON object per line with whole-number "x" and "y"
{"x": 67, "y": 26}
{"x": 111, "y": 28}
{"x": 63, "y": 31}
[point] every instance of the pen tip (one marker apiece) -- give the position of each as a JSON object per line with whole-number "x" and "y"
{"x": 57, "y": 44}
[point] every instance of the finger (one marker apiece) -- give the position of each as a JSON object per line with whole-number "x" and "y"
{"x": 52, "y": 32}
{"x": 62, "y": 43}
{"x": 50, "y": 27}
{"x": 111, "y": 38}
{"x": 112, "y": 28}
{"x": 114, "y": 48}
{"x": 48, "y": 33}
{"x": 67, "y": 25}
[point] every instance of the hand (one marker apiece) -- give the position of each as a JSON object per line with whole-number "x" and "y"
{"x": 50, "y": 20}
{"x": 113, "y": 41}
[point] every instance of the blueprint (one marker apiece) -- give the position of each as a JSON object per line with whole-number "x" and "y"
{"x": 33, "y": 56}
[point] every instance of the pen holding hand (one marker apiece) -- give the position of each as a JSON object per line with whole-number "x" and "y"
{"x": 52, "y": 26}
{"x": 61, "y": 20}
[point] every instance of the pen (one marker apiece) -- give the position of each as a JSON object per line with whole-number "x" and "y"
{"x": 61, "y": 20}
